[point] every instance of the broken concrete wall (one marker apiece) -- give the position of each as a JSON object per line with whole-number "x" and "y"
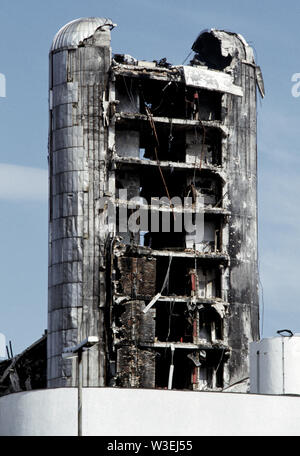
{"x": 131, "y": 325}
{"x": 135, "y": 366}
{"x": 137, "y": 276}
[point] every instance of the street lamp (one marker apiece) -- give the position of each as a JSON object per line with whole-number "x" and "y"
{"x": 76, "y": 351}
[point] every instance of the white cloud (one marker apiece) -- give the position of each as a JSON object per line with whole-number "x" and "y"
{"x": 23, "y": 183}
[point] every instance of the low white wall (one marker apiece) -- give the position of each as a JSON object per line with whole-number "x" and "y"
{"x": 136, "y": 412}
{"x": 41, "y": 412}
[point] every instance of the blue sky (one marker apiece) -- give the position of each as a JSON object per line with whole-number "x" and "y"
{"x": 147, "y": 30}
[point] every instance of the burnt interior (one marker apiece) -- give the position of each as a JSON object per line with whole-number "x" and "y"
{"x": 186, "y": 373}
{"x": 167, "y": 98}
{"x": 210, "y": 324}
{"x": 208, "y": 52}
{"x": 182, "y": 369}
{"x": 182, "y": 183}
{"x": 169, "y": 143}
{"x": 173, "y": 323}
{"x": 190, "y": 321}
{"x": 179, "y": 282}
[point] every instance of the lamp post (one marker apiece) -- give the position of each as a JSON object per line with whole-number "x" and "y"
{"x": 76, "y": 351}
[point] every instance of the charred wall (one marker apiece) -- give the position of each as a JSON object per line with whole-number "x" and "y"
{"x": 242, "y": 203}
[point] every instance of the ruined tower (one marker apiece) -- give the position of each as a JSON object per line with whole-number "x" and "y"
{"x": 128, "y": 137}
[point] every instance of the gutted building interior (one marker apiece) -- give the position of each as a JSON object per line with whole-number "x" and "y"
{"x": 172, "y": 310}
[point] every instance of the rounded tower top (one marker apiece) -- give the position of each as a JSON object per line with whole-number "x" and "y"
{"x": 71, "y": 34}
{"x": 227, "y": 44}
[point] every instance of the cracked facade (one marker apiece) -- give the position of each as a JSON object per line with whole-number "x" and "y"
{"x": 170, "y": 310}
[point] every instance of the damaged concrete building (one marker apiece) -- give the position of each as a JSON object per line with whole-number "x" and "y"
{"x": 25, "y": 371}
{"x": 170, "y": 310}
